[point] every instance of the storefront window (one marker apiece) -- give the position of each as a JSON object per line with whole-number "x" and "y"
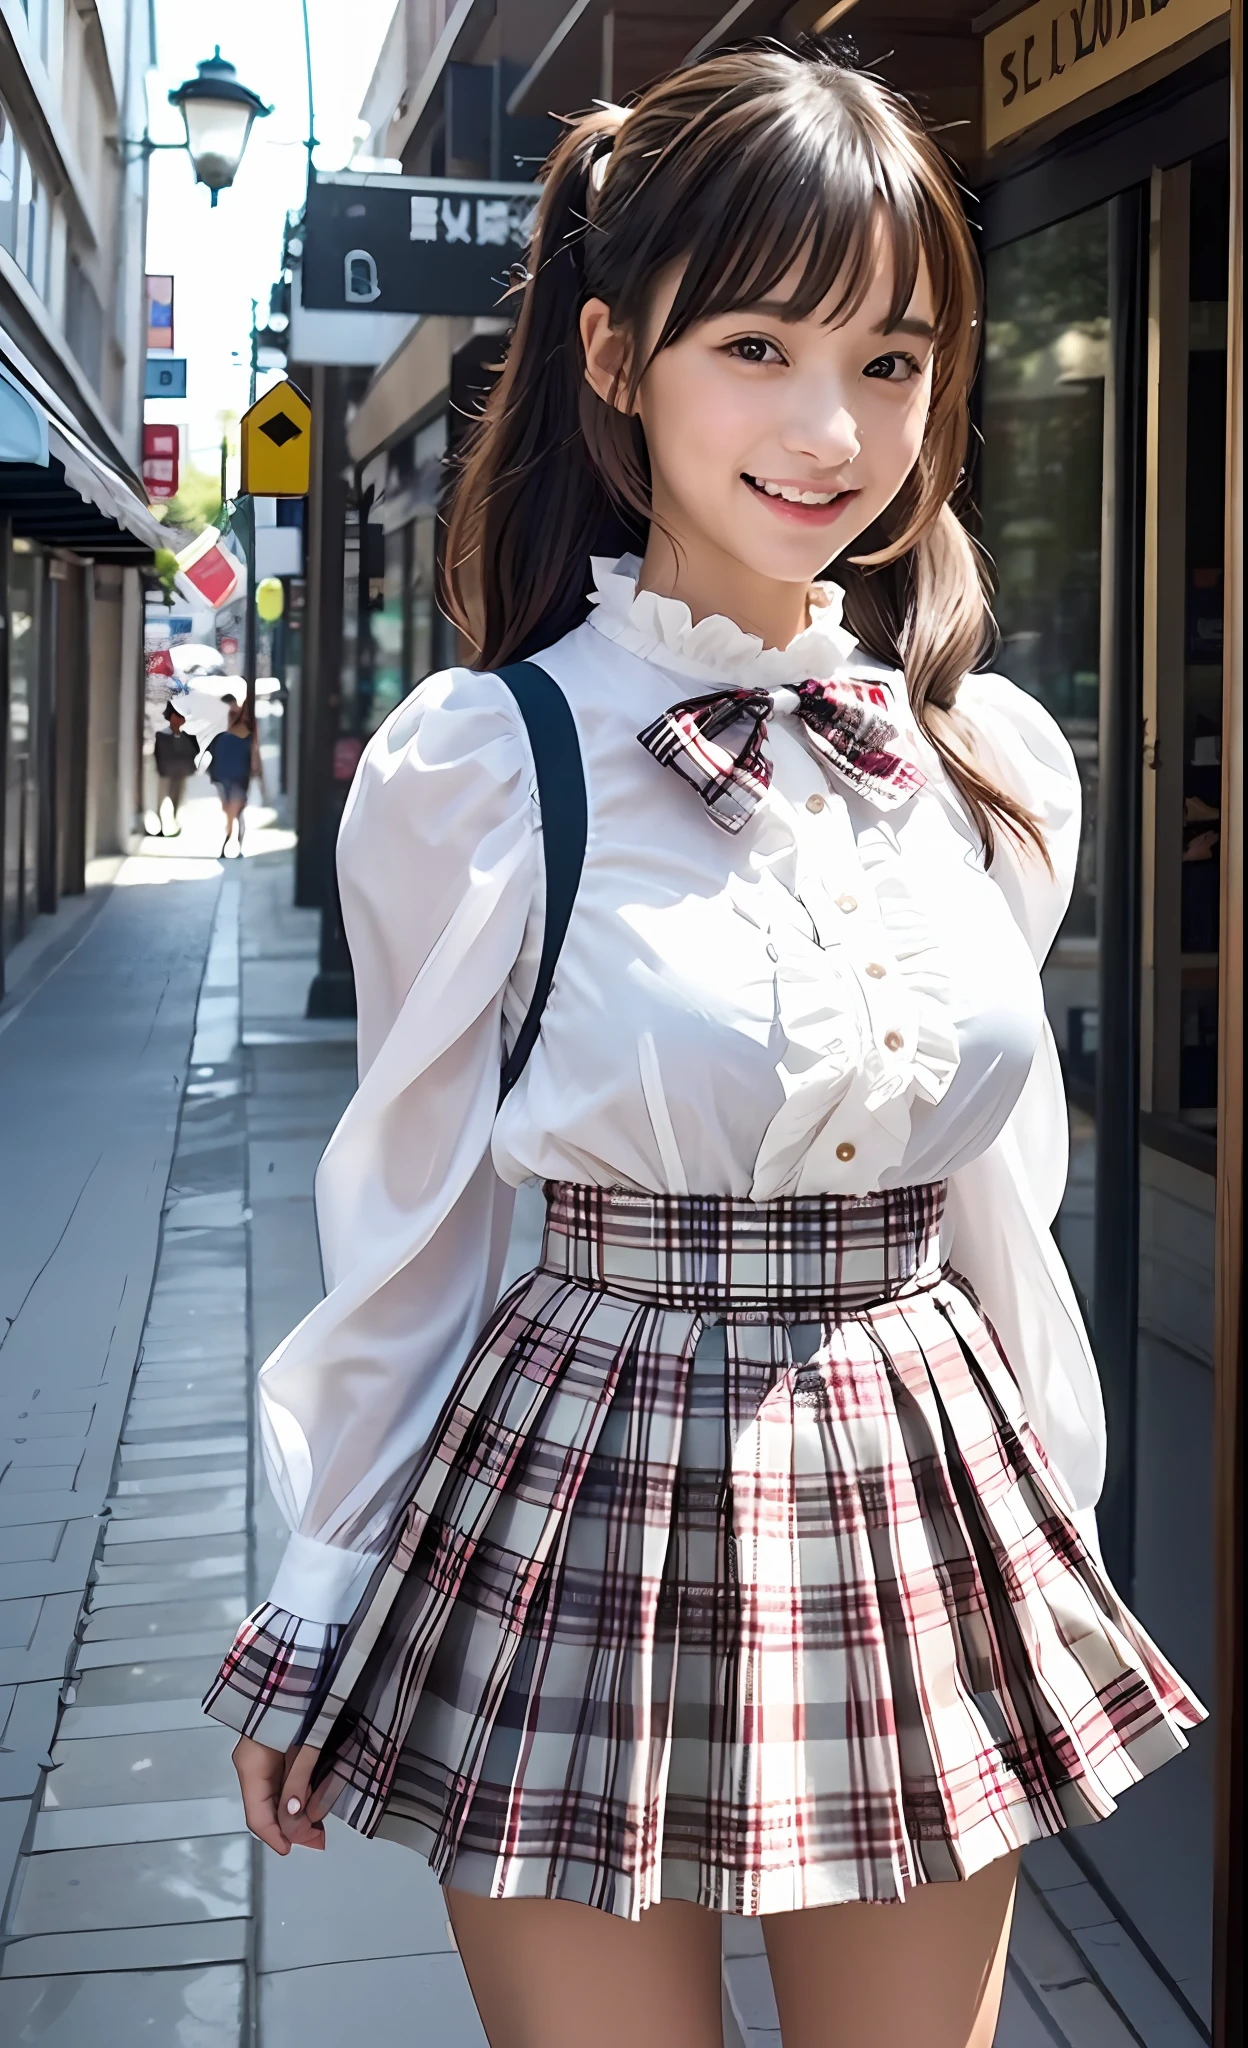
{"x": 404, "y": 641}
{"x": 10, "y": 158}
{"x": 24, "y": 215}
{"x": 1043, "y": 394}
{"x": 1202, "y": 692}
{"x": 424, "y": 573}
{"x": 350, "y": 620}
{"x": 21, "y": 809}
{"x": 387, "y": 626}
{"x": 33, "y": 252}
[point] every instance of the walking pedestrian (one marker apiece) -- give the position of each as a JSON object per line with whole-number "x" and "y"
{"x": 176, "y": 755}
{"x": 233, "y": 758}
{"x": 741, "y": 1559}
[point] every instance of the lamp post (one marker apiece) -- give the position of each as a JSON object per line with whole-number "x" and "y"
{"x": 249, "y": 537}
{"x": 218, "y": 112}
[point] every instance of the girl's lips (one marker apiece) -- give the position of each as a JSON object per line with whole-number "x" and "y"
{"x": 801, "y": 515}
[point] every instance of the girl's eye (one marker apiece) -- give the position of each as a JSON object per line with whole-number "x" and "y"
{"x": 755, "y": 348}
{"x": 895, "y": 368}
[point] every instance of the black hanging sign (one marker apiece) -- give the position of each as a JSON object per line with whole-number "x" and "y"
{"x": 412, "y": 245}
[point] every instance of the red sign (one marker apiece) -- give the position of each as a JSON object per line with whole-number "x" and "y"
{"x": 207, "y": 570}
{"x": 160, "y": 462}
{"x": 214, "y": 575}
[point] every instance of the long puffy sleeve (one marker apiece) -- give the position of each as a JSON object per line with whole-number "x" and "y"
{"x": 1001, "y": 1205}
{"x": 1023, "y": 748}
{"x": 438, "y": 858}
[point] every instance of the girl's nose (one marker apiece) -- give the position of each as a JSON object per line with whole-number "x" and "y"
{"x": 824, "y": 432}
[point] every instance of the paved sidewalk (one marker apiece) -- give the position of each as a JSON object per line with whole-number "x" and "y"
{"x": 95, "y": 1035}
{"x": 358, "y": 1936}
{"x": 136, "y": 1526}
{"x": 141, "y": 1909}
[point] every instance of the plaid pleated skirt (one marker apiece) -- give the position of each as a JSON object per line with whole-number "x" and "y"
{"x": 734, "y": 1574}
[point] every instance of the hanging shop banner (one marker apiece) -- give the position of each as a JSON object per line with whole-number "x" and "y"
{"x": 209, "y": 573}
{"x": 166, "y": 377}
{"x": 160, "y": 463}
{"x": 159, "y": 312}
{"x": 413, "y": 245}
{"x": 275, "y": 444}
{"x": 1055, "y": 52}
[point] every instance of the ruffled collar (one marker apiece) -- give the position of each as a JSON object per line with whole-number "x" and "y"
{"x": 661, "y": 629}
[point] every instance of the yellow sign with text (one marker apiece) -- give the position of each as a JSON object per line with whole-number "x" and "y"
{"x": 1053, "y": 53}
{"x": 275, "y": 440}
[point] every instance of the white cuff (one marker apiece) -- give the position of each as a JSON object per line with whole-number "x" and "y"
{"x": 321, "y": 1581}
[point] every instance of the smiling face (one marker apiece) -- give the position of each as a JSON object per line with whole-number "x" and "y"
{"x": 774, "y": 441}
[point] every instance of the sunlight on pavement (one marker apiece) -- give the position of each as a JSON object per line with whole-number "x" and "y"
{"x": 194, "y": 853}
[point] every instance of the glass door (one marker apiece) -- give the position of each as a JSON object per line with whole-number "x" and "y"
{"x": 1042, "y": 497}
{"x": 1190, "y": 1089}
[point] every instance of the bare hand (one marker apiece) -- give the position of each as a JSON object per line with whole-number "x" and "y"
{"x": 300, "y": 1814}
{"x": 260, "y": 1773}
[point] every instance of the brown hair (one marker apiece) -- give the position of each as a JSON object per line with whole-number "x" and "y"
{"x": 745, "y": 167}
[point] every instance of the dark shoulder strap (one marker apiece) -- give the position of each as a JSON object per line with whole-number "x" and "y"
{"x": 561, "y": 796}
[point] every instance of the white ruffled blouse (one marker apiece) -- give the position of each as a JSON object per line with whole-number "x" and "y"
{"x": 836, "y": 999}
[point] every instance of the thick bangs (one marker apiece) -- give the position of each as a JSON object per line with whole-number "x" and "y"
{"x": 823, "y": 197}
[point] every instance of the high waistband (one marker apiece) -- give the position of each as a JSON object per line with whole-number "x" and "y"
{"x": 818, "y": 1255}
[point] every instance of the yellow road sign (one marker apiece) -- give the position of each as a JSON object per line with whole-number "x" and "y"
{"x": 276, "y": 441}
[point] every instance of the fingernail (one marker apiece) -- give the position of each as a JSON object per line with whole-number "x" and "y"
{"x": 293, "y": 1806}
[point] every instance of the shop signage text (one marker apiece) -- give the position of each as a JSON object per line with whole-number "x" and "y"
{"x": 1053, "y": 53}
{"x": 413, "y": 245}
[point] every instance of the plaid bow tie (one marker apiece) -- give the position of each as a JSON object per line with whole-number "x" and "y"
{"x": 717, "y": 743}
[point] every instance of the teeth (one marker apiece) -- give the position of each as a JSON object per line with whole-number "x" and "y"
{"x": 792, "y": 496}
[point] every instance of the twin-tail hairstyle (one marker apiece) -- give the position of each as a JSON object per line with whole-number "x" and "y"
{"x": 745, "y": 169}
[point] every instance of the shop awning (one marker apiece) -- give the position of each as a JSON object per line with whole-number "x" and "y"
{"x": 68, "y": 496}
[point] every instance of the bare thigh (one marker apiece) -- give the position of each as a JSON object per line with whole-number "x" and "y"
{"x": 549, "y": 1974}
{"x": 926, "y": 1974}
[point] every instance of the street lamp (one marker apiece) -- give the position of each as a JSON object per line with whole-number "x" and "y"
{"x": 218, "y": 113}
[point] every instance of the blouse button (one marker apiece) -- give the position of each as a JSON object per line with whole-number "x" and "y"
{"x": 894, "y": 1040}
{"x": 815, "y": 803}
{"x": 847, "y": 903}
{"x": 845, "y": 1150}
{"x": 875, "y": 970}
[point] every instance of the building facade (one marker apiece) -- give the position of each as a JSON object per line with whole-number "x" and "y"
{"x": 392, "y": 391}
{"x": 74, "y": 523}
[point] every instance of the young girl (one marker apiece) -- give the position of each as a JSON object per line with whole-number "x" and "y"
{"x": 233, "y": 758}
{"x": 740, "y": 1561}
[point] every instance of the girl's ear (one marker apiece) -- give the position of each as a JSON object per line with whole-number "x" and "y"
{"x": 606, "y": 355}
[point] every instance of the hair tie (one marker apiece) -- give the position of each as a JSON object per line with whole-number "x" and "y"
{"x": 602, "y": 163}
